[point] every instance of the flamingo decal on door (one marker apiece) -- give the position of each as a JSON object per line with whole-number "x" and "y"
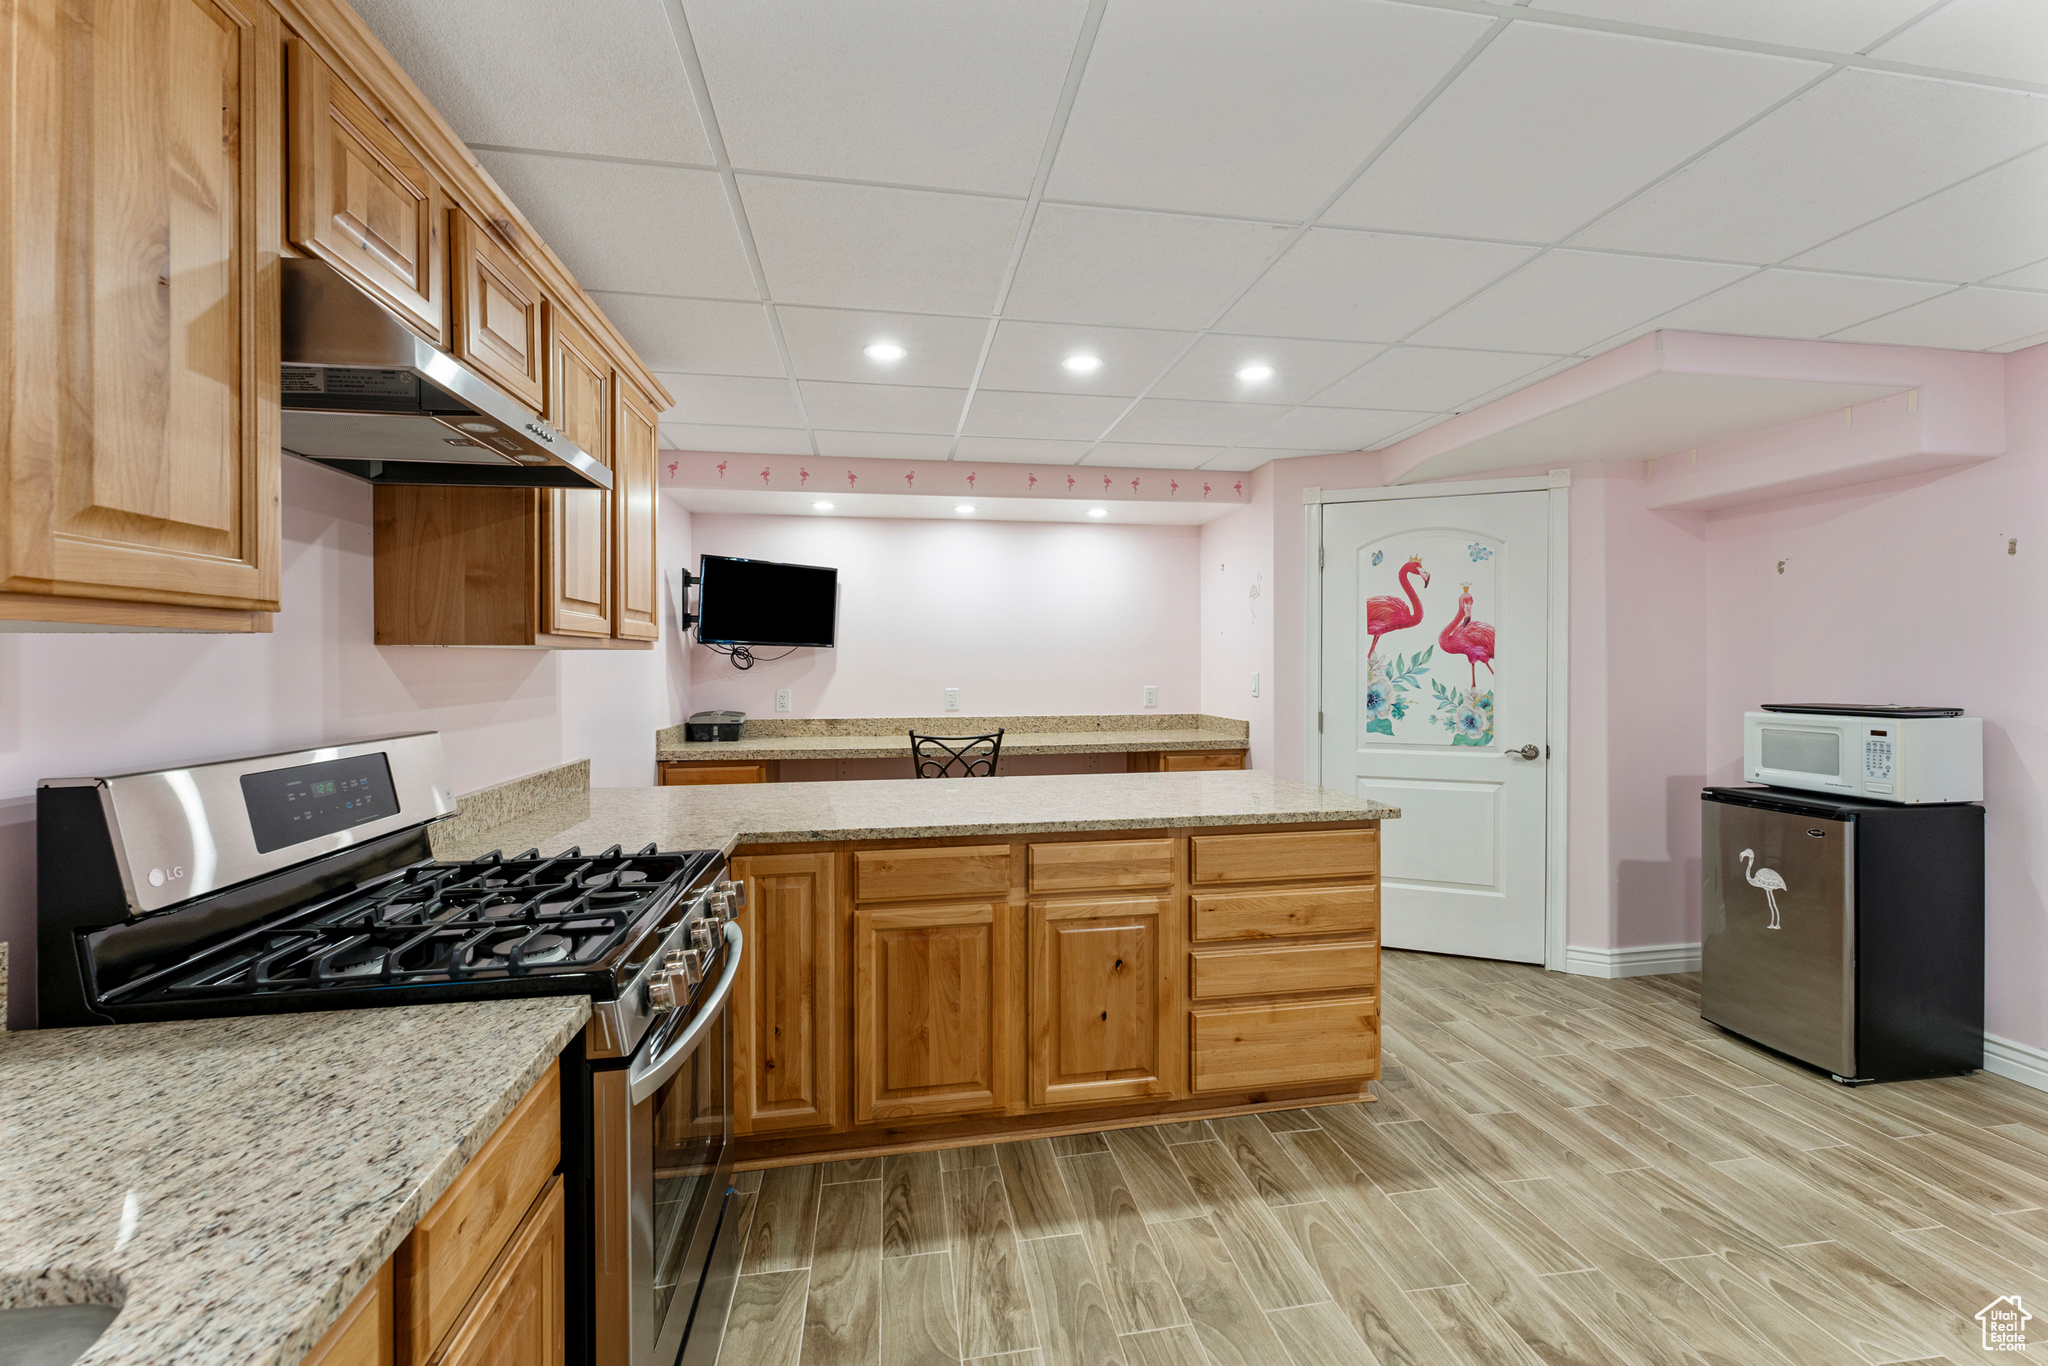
{"x": 1765, "y": 878}
{"x": 1388, "y": 613}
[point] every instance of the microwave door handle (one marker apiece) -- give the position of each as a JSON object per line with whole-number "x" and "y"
{"x": 644, "y": 1081}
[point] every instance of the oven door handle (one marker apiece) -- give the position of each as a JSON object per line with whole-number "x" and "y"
{"x": 643, "y": 1080}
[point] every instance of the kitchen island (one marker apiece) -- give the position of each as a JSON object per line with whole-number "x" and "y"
{"x": 942, "y": 963}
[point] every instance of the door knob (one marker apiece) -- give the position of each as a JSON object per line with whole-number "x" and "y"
{"x": 1525, "y": 752}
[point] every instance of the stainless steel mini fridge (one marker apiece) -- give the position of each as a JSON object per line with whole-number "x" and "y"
{"x": 1846, "y": 934}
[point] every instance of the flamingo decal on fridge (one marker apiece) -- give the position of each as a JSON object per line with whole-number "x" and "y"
{"x": 1765, "y": 878}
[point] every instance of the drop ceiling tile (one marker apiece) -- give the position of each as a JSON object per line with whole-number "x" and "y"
{"x": 1135, "y": 455}
{"x": 1796, "y": 303}
{"x": 1550, "y": 126}
{"x": 663, "y": 231}
{"x": 1832, "y": 25}
{"x": 1300, "y": 368}
{"x": 1420, "y": 377}
{"x": 884, "y": 445}
{"x": 1243, "y": 459}
{"x": 1123, "y": 269}
{"x": 1252, "y": 110}
{"x": 1858, "y": 145}
{"x": 1064, "y": 417}
{"x": 882, "y": 407}
{"x": 2023, "y": 343}
{"x": 1983, "y": 227}
{"x": 854, "y": 246}
{"x": 1566, "y": 301}
{"x": 1028, "y": 356}
{"x": 2034, "y": 276}
{"x": 1974, "y": 319}
{"x": 731, "y": 400}
{"x": 1019, "y": 450}
{"x": 827, "y": 343}
{"x": 685, "y": 436}
{"x": 1365, "y": 286}
{"x": 2006, "y": 38}
{"x": 543, "y": 75}
{"x": 1333, "y": 429}
{"x": 698, "y": 336}
{"x": 1191, "y": 422}
{"x": 919, "y": 92}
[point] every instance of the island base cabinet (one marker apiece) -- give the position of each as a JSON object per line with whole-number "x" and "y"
{"x": 362, "y": 1335}
{"x": 1100, "y": 988}
{"x": 932, "y": 999}
{"x": 1253, "y": 1047}
{"x": 516, "y": 1317}
{"x": 785, "y": 1011}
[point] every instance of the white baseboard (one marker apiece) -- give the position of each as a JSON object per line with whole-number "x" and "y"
{"x": 2022, "y": 1062}
{"x": 1643, "y": 960}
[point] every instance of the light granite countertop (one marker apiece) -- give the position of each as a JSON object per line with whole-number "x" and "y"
{"x": 886, "y": 737}
{"x": 723, "y": 817}
{"x": 234, "y": 1183}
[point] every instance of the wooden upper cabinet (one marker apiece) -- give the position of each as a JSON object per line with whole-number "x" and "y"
{"x": 141, "y": 169}
{"x": 362, "y": 200}
{"x": 636, "y": 451}
{"x": 577, "y": 558}
{"x": 497, "y": 313}
{"x": 786, "y": 1023}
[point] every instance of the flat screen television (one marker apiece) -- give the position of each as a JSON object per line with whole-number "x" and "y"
{"x": 760, "y": 602}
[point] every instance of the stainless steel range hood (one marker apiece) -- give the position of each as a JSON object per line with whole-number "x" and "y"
{"x": 365, "y": 395}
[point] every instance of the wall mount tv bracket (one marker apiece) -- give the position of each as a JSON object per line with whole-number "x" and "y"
{"x": 685, "y": 581}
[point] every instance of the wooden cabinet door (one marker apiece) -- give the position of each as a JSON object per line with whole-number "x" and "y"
{"x": 1102, "y": 1000}
{"x": 577, "y": 546}
{"x": 786, "y": 1016}
{"x": 362, "y": 1336}
{"x": 516, "y": 1317}
{"x": 362, "y": 200}
{"x": 142, "y": 171}
{"x": 497, "y": 311}
{"x": 932, "y": 1012}
{"x": 636, "y": 441}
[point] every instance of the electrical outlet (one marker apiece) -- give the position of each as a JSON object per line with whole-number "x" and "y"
{"x": 952, "y": 699}
{"x": 1255, "y": 685}
{"x": 782, "y": 699}
{"x": 1151, "y": 694}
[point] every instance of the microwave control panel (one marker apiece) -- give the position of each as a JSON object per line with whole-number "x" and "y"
{"x": 1877, "y": 756}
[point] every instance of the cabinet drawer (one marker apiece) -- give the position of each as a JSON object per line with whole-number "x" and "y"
{"x": 1286, "y": 858}
{"x": 1200, "y": 760}
{"x": 1101, "y": 865}
{"x": 701, "y": 775}
{"x": 1247, "y": 1048}
{"x": 965, "y": 873}
{"x": 440, "y": 1266}
{"x": 1283, "y": 970}
{"x": 1284, "y": 913}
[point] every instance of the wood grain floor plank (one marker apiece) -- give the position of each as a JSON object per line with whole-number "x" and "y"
{"x": 1038, "y": 1193}
{"x": 766, "y": 1324}
{"x": 913, "y": 1205}
{"x": 785, "y": 1221}
{"x": 1030, "y": 1358}
{"x": 1461, "y": 1317}
{"x": 748, "y": 1182}
{"x": 973, "y": 1155}
{"x": 1889, "y": 1320}
{"x": 1750, "y": 1122}
{"x": 1410, "y": 1258}
{"x": 1271, "y": 1266}
{"x": 1268, "y": 1166}
{"x": 1293, "y": 1121}
{"x": 1320, "y": 1335}
{"x": 1482, "y": 1204}
{"x": 1165, "y": 1347}
{"x": 988, "y": 1272}
{"x": 1985, "y": 1181}
{"x": 1633, "y": 1336}
{"x": 1073, "y": 1145}
{"x": 1141, "y": 1297}
{"x": 1766, "y": 1316}
{"x": 1149, "y": 1170}
{"x": 843, "y": 1310}
{"x": 1227, "y": 1319}
{"x": 1385, "y": 1162}
{"x": 1186, "y": 1131}
{"x": 1072, "y": 1309}
{"x": 919, "y": 1324}
{"x": 1364, "y": 1291}
{"x": 853, "y": 1169}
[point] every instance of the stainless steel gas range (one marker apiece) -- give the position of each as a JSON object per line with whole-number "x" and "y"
{"x": 305, "y": 881}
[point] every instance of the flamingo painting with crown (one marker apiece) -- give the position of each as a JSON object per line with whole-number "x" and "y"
{"x": 1387, "y": 613}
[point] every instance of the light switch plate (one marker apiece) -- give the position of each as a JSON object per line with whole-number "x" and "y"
{"x": 782, "y": 699}
{"x": 1255, "y": 685}
{"x": 1151, "y": 694}
{"x": 952, "y": 699}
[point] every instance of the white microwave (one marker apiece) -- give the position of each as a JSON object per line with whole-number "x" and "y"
{"x": 1881, "y": 754}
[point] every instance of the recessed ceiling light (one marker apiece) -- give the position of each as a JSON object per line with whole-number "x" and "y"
{"x": 1098, "y": 512}
{"x": 884, "y": 351}
{"x": 822, "y": 507}
{"x": 964, "y": 508}
{"x": 1252, "y": 374}
{"x": 1082, "y": 365}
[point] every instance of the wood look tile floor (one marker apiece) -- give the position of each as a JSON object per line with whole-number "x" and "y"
{"x": 1559, "y": 1169}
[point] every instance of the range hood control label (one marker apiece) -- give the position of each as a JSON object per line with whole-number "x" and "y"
{"x": 319, "y": 379}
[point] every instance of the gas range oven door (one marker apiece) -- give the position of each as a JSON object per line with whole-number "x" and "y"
{"x": 665, "y": 1255}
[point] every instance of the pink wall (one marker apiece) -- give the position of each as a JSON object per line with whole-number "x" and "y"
{"x": 89, "y": 704}
{"x": 1238, "y": 603}
{"x": 1025, "y": 618}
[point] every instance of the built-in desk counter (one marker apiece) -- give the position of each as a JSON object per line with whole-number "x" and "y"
{"x": 814, "y": 749}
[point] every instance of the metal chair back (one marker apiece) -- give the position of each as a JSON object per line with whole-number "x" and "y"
{"x": 955, "y": 756}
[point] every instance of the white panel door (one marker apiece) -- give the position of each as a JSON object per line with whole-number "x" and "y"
{"x": 1435, "y": 679}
